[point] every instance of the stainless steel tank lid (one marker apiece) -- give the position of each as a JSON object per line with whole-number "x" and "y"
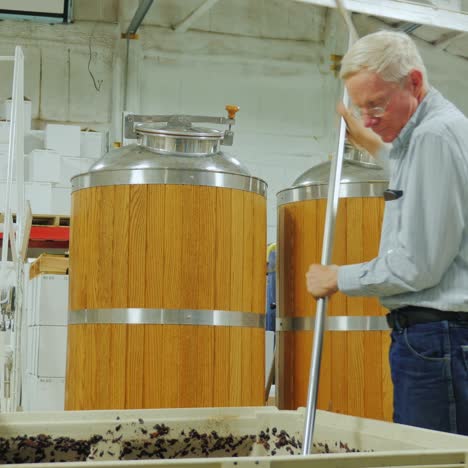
{"x": 361, "y": 177}
{"x": 176, "y": 153}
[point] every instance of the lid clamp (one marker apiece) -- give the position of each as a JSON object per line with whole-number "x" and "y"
{"x": 131, "y": 120}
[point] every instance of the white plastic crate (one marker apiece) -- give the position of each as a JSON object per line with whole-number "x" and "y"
{"x": 385, "y": 444}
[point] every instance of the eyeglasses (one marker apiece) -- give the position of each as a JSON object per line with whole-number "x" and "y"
{"x": 373, "y": 112}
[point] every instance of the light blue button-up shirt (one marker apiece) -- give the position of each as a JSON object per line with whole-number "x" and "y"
{"x": 423, "y": 255}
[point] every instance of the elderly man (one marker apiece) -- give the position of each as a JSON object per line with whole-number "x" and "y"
{"x": 421, "y": 272}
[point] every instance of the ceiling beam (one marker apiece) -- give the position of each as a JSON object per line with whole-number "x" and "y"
{"x": 401, "y": 10}
{"x": 446, "y": 39}
{"x": 185, "y": 24}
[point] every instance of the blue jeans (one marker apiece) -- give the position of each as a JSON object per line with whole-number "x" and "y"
{"x": 429, "y": 365}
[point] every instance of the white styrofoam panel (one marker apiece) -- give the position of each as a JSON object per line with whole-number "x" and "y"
{"x": 43, "y": 166}
{"x": 43, "y": 394}
{"x": 61, "y": 201}
{"x": 94, "y": 144}
{"x": 71, "y": 166}
{"x": 51, "y": 300}
{"x": 65, "y": 139}
{"x": 4, "y": 131}
{"x": 40, "y": 196}
{"x": 27, "y": 110}
{"x": 34, "y": 139}
{"x": 52, "y": 350}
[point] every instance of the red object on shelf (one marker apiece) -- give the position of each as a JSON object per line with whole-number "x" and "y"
{"x": 50, "y": 237}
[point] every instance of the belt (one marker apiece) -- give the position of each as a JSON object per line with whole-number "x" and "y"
{"x": 412, "y": 315}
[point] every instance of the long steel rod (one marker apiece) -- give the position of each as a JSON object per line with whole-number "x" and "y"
{"x": 139, "y": 16}
{"x": 328, "y": 238}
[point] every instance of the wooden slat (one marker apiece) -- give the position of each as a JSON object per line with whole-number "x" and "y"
{"x": 92, "y": 247}
{"x": 237, "y": 249}
{"x": 154, "y": 349}
{"x": 372, "y": 340}
{"x": 259, "y": 246}
{"x": 174, "y": 256}
{"x": 190, "y": 357}
{"x": 155, "y": 253}
{"x": 137, "y": 242}
{"x": 234, "y": 366}
{"x": 223, "y": 250}
{"x": 106, "y": 247}
{"x": 338, "y": 306}
{"x": 224, "y": 377}
{"x": 257, "y": 377}
{"x": 247, "y": 263}
{"x": 206, "y": 241}
{"x": 205, "y": 378}
{"x": 354, "y": 238}
{"x": 116, "y": 365}
{"x": 133, "y": 365}
{"x": 121, "y": 219}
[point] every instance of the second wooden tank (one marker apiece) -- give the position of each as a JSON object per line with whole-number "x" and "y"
{"x": 355, "y": 376}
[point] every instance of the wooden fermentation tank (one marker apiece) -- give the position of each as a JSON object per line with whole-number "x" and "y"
{"x": 355, "y": 377}
{"x": 167, "y": 275}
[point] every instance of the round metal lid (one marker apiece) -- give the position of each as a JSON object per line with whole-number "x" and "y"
{"x": 358, "y": 166}
{"x": 361, "y": 176}
{"x": 178, "y": 131}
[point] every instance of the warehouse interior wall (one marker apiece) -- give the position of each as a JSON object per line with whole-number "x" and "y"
{"x": 270, "y": 57}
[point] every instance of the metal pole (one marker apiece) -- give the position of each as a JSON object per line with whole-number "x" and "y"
{"x": 328, "y": 238}
{"x": 139, "y": 16}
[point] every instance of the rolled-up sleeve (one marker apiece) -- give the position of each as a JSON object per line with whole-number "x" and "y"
{"x": 426, "y": 224}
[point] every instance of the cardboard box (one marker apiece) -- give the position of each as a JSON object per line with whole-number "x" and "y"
{"x": 65, "y": 139}
{"x": 50, "y": 265}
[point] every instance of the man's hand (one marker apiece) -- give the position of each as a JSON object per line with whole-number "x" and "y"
{"x": 322, "y": 280}
{"x": 358, "y": 134}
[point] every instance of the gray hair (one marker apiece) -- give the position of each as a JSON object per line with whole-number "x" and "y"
{"x": 391, "y": 54}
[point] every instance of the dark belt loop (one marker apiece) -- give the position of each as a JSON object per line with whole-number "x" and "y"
{"x": 396, "y": 321}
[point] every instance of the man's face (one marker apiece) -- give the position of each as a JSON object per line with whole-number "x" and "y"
{"x": 384, "y": 107}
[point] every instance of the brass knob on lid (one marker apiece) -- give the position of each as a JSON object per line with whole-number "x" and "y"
{"x": 232, "y": 111}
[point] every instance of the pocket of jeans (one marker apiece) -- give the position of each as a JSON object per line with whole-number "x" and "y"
{"x": 425, "y": 345}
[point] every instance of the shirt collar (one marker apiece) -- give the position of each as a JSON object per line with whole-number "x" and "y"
{"x": 424, "y": 106}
